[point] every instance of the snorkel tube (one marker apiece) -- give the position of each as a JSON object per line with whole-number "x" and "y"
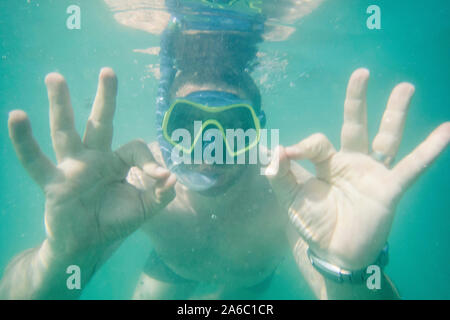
{"x": 204, "y": 16}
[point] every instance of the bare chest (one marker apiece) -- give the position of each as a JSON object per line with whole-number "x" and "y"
{"x": 242, "y": 239}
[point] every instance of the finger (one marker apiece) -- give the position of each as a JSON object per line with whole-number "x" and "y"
{"x": 137, "y": 153}
{"x": 39, "y": 167}
{"x": 354, "y": 135}
{"x": 282, "y": 179}
{"x": 99, "y": 128}
{"x": 389, "y": 136}
{"x": 407, "y": 170}
{"x": 166, "y": 183}
{"x": 289, "y": 184}
{"x": 155, "y": 199}
{"x": 165, "y": 189}
{"x": 66, "y": 140}
{"x": 154, "y": 195}
{"x": 316, "y": 148}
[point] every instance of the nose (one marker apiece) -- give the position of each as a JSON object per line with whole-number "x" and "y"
{"x": 215, "y": 147}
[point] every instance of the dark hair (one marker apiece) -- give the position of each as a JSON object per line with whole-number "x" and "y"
{"x": 218, "y": 51}
{"x": 221, "y": 58}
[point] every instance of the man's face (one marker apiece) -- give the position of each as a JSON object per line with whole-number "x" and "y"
{"x": 225, "y": 173}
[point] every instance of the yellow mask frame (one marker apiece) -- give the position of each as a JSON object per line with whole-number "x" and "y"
{"x": 209, "y": 109}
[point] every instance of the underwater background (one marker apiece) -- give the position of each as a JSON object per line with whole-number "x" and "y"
{"x": 302, "y": 80}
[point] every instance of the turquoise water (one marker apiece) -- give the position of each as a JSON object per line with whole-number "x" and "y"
{"x": 303, "y": 95}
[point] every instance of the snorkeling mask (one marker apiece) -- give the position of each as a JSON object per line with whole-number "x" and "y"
{"x": 221, "y": 110}
{"x": 212, "y": 109}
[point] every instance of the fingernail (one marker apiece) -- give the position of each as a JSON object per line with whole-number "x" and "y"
{"x": 270, "y": 170}
{"x": 292, "y": 152}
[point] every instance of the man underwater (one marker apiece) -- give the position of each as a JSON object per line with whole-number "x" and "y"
{"x": 335, "y": 223}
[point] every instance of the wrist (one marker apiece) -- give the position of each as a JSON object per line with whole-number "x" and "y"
{"x": 57, "y": 267}
{"x": 340, "y": 275}
{"x": 54, "y": 259}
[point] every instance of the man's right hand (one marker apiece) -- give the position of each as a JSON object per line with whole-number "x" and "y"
{"x": 89, "y": 204}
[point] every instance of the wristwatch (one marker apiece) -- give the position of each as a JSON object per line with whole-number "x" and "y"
{"x": 338, "y": 274}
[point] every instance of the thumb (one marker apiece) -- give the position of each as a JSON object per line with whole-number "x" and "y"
{"x": 315, "y": 148}
{"x": 154, "y": 182}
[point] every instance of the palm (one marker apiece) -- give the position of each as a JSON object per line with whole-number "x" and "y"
{"x": 345, "y": 212}
{"x": 88, "y": 200}
{"x": 87, "y": 205}
{"x": 356, "y": 197}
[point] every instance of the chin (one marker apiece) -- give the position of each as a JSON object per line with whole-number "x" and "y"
{"x": 226, "y": 180}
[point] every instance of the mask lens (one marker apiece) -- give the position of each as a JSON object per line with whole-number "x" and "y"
{"x": 183, "y": 116}
{"x": 238, "y": 118}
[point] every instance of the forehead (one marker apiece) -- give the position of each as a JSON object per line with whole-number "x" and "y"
{"x": 188, "y": 88}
